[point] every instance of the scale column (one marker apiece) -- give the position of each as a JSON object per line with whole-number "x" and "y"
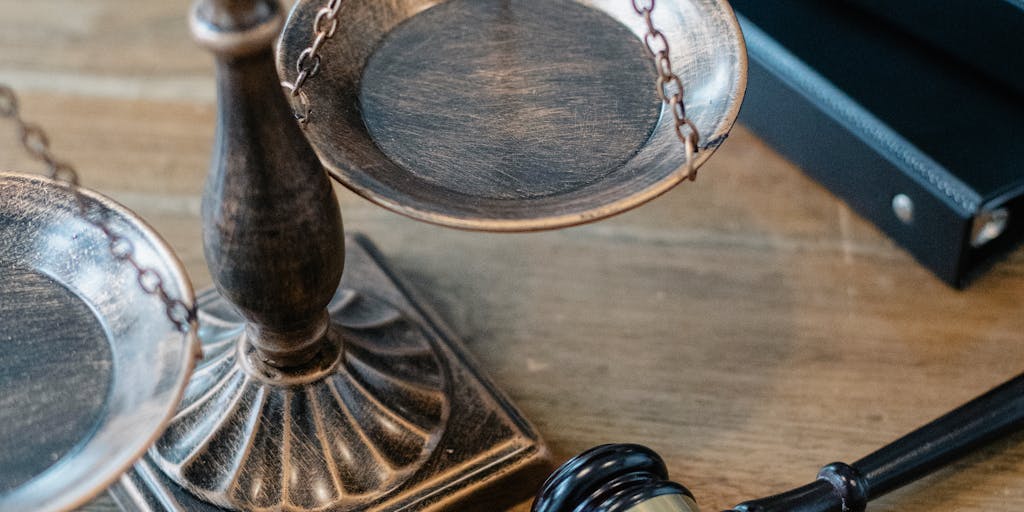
{"x": 271, "y": 224}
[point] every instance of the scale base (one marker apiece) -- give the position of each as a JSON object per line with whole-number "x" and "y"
{"x": 477, "y": 451}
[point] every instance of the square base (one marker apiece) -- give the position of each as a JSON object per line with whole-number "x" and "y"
{"x": 488, "y": 458}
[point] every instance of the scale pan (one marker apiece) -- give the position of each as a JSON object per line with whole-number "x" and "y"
{"x": 512, "y": 115}
{"x": 91, "y": 367}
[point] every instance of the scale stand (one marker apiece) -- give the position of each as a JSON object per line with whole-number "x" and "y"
{"x": 311, "y": 395}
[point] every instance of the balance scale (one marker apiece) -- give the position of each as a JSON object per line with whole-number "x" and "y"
{"x": 311, "y": 377}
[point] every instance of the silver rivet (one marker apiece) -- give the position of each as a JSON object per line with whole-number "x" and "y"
{"x": 988, "y": 226}
{"x": 903, "y": 207}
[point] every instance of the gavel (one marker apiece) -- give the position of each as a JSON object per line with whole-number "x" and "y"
{"x": 633, "y": 478}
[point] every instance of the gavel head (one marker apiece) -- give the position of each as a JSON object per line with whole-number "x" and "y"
{"x": 614, "y": 478}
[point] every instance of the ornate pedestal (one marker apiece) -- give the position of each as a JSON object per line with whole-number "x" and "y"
{"x": 403, "y": 421}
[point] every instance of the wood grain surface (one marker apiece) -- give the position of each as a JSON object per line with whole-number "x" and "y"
{"x": 748, "y": 325}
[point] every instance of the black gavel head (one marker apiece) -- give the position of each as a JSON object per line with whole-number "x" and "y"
{"x": 614, "y": 478}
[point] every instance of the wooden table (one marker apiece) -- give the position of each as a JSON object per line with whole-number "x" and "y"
{"x": 748, "y": 326}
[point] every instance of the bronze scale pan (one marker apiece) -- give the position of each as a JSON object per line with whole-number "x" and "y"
{"x": 511, "y": 115}
{"x": 92, "y": 365}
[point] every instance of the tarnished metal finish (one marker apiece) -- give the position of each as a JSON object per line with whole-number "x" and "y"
{"x": 314, "y": 397}
{"x": 93, "y": 366}
{"x": 272, "y": 229}
{"x": 234, "y": 29}
{"x": 249, "y": 438}
{"x": 403, "y": 421}
{"x": 496, "y": 124}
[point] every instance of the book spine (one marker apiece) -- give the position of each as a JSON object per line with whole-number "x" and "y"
{"x": 857, "y": 157}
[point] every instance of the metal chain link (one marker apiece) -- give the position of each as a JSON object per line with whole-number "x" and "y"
{"x": 669, "y": 86}
{"x": 307, "y": 66}
{"x": 37, "y": 144}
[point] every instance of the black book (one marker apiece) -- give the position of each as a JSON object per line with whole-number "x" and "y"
{"x": 911, "y": 138}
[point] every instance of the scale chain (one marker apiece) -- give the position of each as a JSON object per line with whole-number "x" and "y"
{"x": 307, "y": 66}
{"x": 668, "y": 85}
{"x": 37, "y": 144}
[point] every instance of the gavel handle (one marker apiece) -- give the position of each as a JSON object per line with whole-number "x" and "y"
{"x": 848, "y": 488}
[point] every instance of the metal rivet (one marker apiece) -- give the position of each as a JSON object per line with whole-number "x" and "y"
{"x": 903, "y": 207}
{"x": 989, "y": 225}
